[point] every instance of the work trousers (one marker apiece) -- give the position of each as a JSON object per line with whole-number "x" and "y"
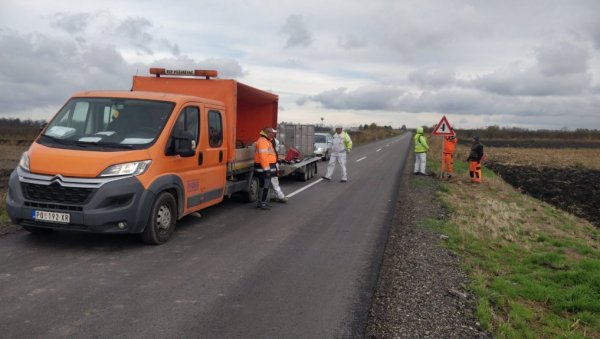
{"x": 340, "y": 158}
{"x": 475, "y": 171}
{"x": 447, "y": 163}
{"x": 264, "y": 183}
{"x": 420, "y": 162}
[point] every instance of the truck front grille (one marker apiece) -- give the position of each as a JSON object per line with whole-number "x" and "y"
{"x": 56, "y": 193}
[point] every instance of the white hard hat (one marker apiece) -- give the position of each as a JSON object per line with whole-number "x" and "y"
{"x": 338, "y": 126}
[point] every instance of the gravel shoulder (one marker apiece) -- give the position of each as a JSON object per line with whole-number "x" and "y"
{"x": 422, "y": 291}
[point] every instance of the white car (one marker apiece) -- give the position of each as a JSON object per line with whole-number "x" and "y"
{"x": 323, "y": 144}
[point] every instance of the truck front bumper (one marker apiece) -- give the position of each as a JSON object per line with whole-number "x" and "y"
{"x": 98, "y": 205}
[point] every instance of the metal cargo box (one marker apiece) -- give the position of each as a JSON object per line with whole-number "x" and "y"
{"x": 301, "y": 137}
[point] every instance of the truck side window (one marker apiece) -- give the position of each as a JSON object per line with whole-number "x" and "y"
{"x": 215, "y": 129}
{"x": 187, "y": 121}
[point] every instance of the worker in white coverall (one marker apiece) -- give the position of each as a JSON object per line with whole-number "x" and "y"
{"x": 274, "y": 179}
{"x": 342, "y": 145}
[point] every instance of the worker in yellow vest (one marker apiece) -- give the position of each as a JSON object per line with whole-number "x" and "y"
{"x": 421, "y": 149}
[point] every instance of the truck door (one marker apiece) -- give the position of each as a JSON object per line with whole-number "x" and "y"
{"x": 214, "y": 167}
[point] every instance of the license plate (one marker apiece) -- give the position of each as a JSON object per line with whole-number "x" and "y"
{"x": 63, "y": 218}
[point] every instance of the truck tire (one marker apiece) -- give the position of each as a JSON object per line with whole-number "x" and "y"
{"x": 325, "y": 156}
{"x": 252, "y": 190}
{"x": 162, "y": 220}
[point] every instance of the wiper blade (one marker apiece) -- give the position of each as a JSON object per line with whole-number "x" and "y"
{"x": 58, "y": 141}
{"x": 113, "y": 145}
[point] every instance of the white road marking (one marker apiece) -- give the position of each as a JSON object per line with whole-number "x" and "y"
{"x": 303, "y": 188}
{"x": 361, "y": 159}
{"x": 378, "y": 150}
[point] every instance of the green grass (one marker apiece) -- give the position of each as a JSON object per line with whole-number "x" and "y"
{"x": 535, "y": 270}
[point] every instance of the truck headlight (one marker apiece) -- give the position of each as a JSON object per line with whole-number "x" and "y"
{"x": 130, "y": 168}
{"x": 24, "y": 162}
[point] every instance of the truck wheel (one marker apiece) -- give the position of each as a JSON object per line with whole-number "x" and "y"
{"x": 311, "y": 169}
{"x": 162, "y": 220}
{"x": 325, "y": 156}
{"x": 252, "y": 190}
{"x": 306, "y": 173}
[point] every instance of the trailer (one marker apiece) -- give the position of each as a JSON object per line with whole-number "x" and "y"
{"x": 296, "y": 151}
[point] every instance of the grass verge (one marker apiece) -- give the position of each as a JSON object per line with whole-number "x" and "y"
{"x": 535, "y": 269}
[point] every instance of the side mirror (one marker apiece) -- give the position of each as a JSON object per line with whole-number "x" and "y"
{"x": 183, "y": 144}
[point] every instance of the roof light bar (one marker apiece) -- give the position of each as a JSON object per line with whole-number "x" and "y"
{"x": 184, "y": 72}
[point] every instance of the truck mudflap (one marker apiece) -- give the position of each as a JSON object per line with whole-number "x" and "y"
{"x": 98, "y": 205}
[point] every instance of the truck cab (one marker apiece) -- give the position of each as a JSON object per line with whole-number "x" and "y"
{"x": 137, "y": 161}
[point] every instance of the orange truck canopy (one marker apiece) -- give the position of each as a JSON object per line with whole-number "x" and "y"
{"x": 248, "y": 109}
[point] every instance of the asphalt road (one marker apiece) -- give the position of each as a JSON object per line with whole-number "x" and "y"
{"x": 305, "y": 269}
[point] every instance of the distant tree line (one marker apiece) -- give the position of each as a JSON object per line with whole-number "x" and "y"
{"x": 497, "y": 132}
{"x": 17, "y": 129}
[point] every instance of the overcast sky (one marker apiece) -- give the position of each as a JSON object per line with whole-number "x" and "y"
{"x": 529, "y": 64}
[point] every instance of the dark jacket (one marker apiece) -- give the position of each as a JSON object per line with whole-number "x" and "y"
{"x": 476, "y": 152}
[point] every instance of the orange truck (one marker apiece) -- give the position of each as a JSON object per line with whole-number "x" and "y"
{"x": 137, "y": 161}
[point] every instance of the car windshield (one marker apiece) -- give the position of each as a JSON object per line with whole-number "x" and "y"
{"x": 107, "y": 123}
{"x": 320, "y": 138}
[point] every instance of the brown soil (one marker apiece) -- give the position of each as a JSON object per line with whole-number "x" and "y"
{"x": 574, "y": 190}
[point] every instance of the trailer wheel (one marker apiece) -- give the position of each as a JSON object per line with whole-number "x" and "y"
{"x": 311, "y": 170}
{"x": 306, "y": 173}
{"x": 252, "y": 190}
{"x": 162, "y": 220}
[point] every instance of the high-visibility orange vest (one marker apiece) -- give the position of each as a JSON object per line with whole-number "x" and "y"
{"x": 450, "y": 145}
{"x": 264, "y": 153}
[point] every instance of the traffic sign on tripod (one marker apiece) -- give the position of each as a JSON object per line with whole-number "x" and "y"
{"x": 443, "y": 128}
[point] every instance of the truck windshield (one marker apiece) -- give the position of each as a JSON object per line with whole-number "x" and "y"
{"x": 107, "y": 124}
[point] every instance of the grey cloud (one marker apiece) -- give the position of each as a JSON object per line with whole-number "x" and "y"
{"x": 364, "y": 98}
{"x": 49, "y": 69}
{"x": 350, "y": 41}
{"x": 432, "y": 78}
{"x": 71, "y": 23}
{"x": 296, "y": 32}
{"x": 532, "y": 82}
{"x": 562, "y": 58}
{"x": 135, "y": 30}
{"x": 459, "y": 101}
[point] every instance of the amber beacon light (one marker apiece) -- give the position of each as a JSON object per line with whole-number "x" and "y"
{"x": 184, "y": 72}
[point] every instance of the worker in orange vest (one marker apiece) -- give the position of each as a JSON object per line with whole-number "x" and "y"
{"x": 448, "y": 159}
{"x": 265, "y": 160}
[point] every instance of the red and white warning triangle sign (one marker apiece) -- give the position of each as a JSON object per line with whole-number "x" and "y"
{"x": 443, "y": 128}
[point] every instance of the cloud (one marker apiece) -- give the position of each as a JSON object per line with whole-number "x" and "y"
{"x": 364, "y": 98}
{"x": 296, "y": 32}
{"x": 135, "y": 29}
{"x": 562, "y": 58}
{"x": 432, "y": 78}
{"x": 532, "y": 81}
{"x": 71, "y": 23}
{"x": 51, "y": 68}
{"x": 350, "y": 41}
